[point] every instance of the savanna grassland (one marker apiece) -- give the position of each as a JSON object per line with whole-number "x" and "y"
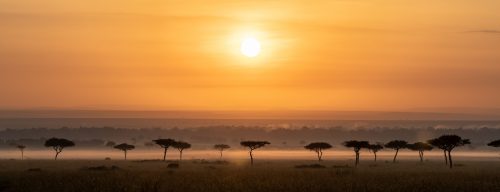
{"x": 265, "y": 175}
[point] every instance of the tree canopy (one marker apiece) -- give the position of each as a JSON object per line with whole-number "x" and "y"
{"x": 165, "y": 144}
{"x": 252, "y": 145}
{"x": 318, "y": 147}
{"x": 495, "y": 143}
{"x": 181, "y": 145}
{"x": 357, "y": 146}
{"x": 58, "y": 144}
{"x": 447, "y": 143}
{"x": 124, "y": 147}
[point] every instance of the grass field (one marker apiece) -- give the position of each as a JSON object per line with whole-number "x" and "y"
{"x": 265, "y": 175}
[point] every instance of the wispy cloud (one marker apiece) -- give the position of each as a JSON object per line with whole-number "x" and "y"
{"x": 484, "y": 31}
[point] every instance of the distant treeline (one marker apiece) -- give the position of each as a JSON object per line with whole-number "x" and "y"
{"x": 205, "y": 137}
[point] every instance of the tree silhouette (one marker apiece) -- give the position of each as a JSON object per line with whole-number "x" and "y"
{"x": 420, "y": 147}
{"x": 110, "y": 144}
{"x": 181, "y": 145}
{"x": 252, "y": 145}
{"x": 165, "y": 144}
{"x": 21, "y": 148}
{"x": 374, "y": 148}
{"x": 318, "y": 147}
{"x": 436, "y": 142}
{"x": 396, "y": 145}
{"x": 58, "y": 144}
{"x": 495, "y": 143}
{"x": 124, "y": 147}
{"x": 449, "y": 142}
{"x": 357, "y": 146}
{"x": 221, "y": 147}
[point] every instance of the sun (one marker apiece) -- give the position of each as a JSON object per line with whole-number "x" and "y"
{"x": 250, "y": 47}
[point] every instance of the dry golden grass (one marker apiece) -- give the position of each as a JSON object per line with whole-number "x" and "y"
{"x": 275, "y": 176}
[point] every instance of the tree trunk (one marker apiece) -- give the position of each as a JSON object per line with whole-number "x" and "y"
{"x": 357, "y": 159}
{"x": 164, "y": 154}
{"x": 375, "y": 153}
{"x": 22, "y": 154}
{"x": 449, "y": 157}
{"x": 57, "y": 154}
{"x": 221, "y": 154}
{"x": 421, "y": 154}
{"x": 180, "y": 155}
{"x": 319, "y": 154}
{"x": 251, "y": 157}
{"x": 125, "y": 151}
{"x": 395, "y": 155}
{"x": 445, "y": 157}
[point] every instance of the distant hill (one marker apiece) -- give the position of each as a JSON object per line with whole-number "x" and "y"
{"x": 449, "y": 114}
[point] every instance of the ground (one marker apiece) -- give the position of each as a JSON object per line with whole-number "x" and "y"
{"x": 265, "y": 175}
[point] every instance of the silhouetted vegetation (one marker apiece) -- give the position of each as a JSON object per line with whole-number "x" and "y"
{"x": 448, "y": 143}
{"x": 252, "y": 145}
{"x": 181, "y": 145}
{"x": 58, "y": 144}
{"x": 420, "y": 147}
{"x": 221, "y": 148}
{"x": 495, "y": 143}
{"x": 165, "y": 144}
{"x": 318, "y": 147}
{"x": 110, "y": 144}
{"x": 396, "y": 145}
{"x": 21, "y": 148}
{"x": 374, "y": 148}
{"x": 357, "y": 146}
{"x": 124, "y": 147}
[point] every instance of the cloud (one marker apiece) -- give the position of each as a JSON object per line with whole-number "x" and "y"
{"x": 485, "y": 31}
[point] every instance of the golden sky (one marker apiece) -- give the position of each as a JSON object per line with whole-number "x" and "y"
{"x": 321, "y": 55}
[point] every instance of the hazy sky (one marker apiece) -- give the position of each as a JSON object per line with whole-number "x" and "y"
{"x": 322, "y": 55}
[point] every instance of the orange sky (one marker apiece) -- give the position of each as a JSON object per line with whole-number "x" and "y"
{"x": 327, "y": 55}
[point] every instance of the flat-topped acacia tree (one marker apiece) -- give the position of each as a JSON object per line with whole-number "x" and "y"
{"x": 495, "y": 143}
{"x": 374, "y": 148}
{"x": 181, "y": 145}
{"x": 450, "y": 142}
{"x": 318, "y": 147}
{"x": 21, "y": 148}
{"x": 357, "y": 146}
{"x": 420, "y": 147}
{"x": 396, "y": 145}
{"x": 436, "y": 142}
{"x": 221, "y": 148}
{"x": 165, "y": 144}
{"x": 252, "y": 145}
{"x": 58, "y": 144}
{"x": 124, "y": 147}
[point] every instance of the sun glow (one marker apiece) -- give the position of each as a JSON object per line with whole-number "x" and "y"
{"x": 250, "y": 47}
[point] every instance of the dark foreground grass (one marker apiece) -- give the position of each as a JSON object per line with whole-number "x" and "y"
{"x": 272, "y": 176}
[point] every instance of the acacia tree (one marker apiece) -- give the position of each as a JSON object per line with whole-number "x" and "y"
{"x": 396, "y": 145}
{"x": 124, "y": 147}
{"x": 318, "y": 147}
{"x": 357, "y": 146}
{"x": 495, "y": 143}
{"x": 450, "y": 142}
{"x": 374, "y": 148}
{"x": 221, "y": 147}
{"x": 181, "y": 145}
{"x": 110, "y": 144}
{"x": 58, "y": 144}
{"x": 436, "y": 142}
{"x": 252, "y": 145}
{"x": 165, "y": 144}
{"x": 420, "y": 147}
{"x": 21, "y": 148}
